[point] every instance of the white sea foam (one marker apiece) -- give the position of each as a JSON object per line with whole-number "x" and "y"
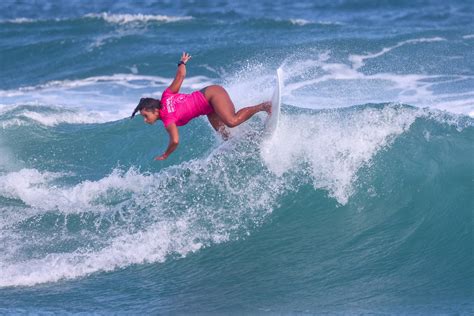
{"x": 334, "y": 146}
{"x": 38, "y": 191}
{"x": 300, "y": 22}
{"x": 149, "y": 216}
{"x": 27, "y": 185}
{"x": 303, "y": 22}
{"x": 32, "y": 186}
{"x": 129, "y": 18}
{"x": 127, "y": 80}
{"x": 324, "y": 83}
{"x": 358, "y": 60}
{"x": 50, "y": 119}
{"x": 105, "y": 38}
{"x": 153, "y": 245}
{"x": 185, "y": 207}
{"x": 52, "y": 116}
{"x": 18, "y": 20}
{"x": 110, "y": 18}
{"x": 468, "y": 36}
{"x": 93, "y": 100}
{"x": 132, "y": 81}
{"x": 12, "y": 122}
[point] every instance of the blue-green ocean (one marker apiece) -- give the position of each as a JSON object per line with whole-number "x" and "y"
{"x": 361, "y": 203}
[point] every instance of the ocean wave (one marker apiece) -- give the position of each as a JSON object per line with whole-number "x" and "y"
{"x": 22, "y": 115}
{"x": 133, "y": 81}
{"x": 108, "y": 17}
{"x": 139, "y": 230}
{"x": 150, "y": 246}
{"x": 18, "y": 20}
{"x": 121, "y": 79}
{"x": 69, "y": 117}
{"x": 358, "y": 60}
{"x": 300, "y": 22}
{"x": 96, "y": 97}
{"x": 326, "y": 82}
{"x": 334, "y": 146}
{"x": 31, "y": 186}
{"x": 133, "y": 18}
{"x": 280, "y": 22}
{"x": 132, "y": 217}
{"x": 303, "y": 22}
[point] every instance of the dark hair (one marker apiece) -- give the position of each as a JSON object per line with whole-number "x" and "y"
{"x": 148, "y": 104}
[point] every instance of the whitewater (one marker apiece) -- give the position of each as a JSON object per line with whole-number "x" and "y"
{"x": 361, "y": 202}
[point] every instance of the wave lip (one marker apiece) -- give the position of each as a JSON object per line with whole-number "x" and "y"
{"x": 333, "y": 147}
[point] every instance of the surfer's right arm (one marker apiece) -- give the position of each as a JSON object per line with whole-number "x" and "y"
{"x": 172, "y": 130}
{"x": 180, "y": 73}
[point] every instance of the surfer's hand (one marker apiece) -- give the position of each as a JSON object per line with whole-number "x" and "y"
{"x": 162, "y": 157}
{"x": 185, "y": 57}
{"x": 267, "y": 107}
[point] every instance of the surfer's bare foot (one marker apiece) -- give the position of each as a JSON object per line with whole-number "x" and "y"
{"x": 267, "y": 107}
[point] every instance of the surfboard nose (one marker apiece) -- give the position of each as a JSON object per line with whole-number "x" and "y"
{"x": 274, "y": 112}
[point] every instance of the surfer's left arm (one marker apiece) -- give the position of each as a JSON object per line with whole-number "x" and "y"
{"x": 180, "y": 73}
{"x": 172, "y": 130}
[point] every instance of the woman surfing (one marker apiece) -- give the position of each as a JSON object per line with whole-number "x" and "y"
{"x": 176, "y": 109}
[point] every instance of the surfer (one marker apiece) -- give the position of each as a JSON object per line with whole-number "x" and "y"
{"x": 176, "y": 109}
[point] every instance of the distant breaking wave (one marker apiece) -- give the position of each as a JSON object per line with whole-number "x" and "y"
{"x": 129, "y": 18}
{"x": 110, "y": 18}
{"x": 302, "y": 22}
{"x": 145, "y": 18}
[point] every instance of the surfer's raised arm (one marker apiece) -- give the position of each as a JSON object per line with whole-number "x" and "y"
{"x": 177, "y": 109}
{"x": 180, "y": 73}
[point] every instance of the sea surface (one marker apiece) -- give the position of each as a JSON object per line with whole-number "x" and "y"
{"x": 361, "y": 203}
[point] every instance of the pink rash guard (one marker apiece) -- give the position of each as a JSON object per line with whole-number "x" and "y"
{"x": 180, "y": 108}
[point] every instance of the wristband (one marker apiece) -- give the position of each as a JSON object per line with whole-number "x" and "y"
{"x": 181, "y": 63}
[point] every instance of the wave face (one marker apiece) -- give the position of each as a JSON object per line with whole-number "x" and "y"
{"x": 370, "y": 195}
{"x": 361, "y": 203}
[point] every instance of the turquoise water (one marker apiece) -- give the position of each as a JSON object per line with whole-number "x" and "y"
{"x": 361, "y": 203}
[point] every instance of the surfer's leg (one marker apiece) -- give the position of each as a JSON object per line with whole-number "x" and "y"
{"x": 225, "y": 109}
{"x": 218, "y": 125}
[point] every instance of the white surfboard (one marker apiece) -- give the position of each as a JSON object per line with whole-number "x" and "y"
{"x": 272, "y": 122}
